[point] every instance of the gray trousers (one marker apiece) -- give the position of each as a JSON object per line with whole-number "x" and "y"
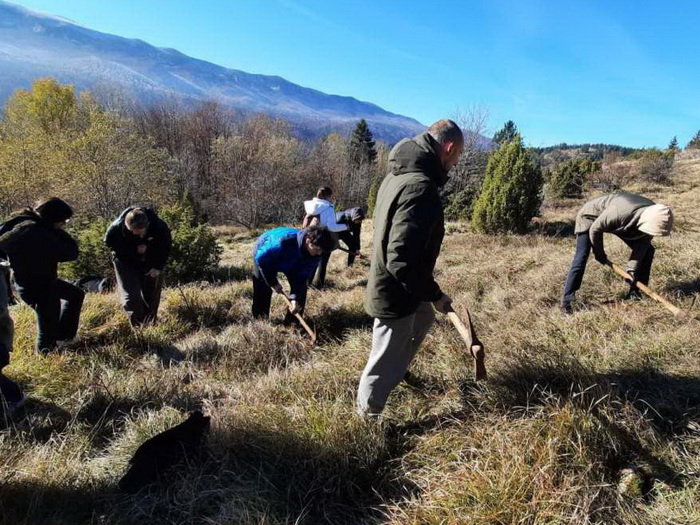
{"x": 394, "y": 345}
{"x": 139, "y": 294}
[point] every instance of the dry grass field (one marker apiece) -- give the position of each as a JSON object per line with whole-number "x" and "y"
{"x": 572, "y": 401}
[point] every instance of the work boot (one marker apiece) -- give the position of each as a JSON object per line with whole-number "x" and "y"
{"x": 633, "y": 295}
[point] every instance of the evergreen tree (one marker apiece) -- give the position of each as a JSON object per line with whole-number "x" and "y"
{"x": 567, "y": 179}
{"x": 506, "y": 134}
{"x": 511, "y": 194}
{"x": 673, "y": 145}
{"x": 362, "y": 147}
{"x": 694, "y": 142}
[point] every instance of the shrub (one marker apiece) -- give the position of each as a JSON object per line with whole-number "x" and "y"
{"x": 567, "y": 179}
{"x": 94, "y": 257}
{"x": 655, "y": 166}
{"x": 511, "y": 194}
{"x": 195, "y": 250}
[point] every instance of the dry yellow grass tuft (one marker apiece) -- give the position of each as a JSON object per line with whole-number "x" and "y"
{"x": 573, "y": 404}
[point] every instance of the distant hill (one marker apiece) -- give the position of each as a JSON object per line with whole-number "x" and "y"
{"x": 35, "y": 45}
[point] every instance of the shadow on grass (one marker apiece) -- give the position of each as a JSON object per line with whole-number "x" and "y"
{"x": 684, "y": 288}
{"x": 332, "y": 324}
{"x": 37, "y": 420}
{"x": 670, "y": 404}
{"x": 273, "y": 477}
{"x": 38, "y": 503}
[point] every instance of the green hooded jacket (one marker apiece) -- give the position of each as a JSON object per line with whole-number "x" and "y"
{"x": 409, "y": 226}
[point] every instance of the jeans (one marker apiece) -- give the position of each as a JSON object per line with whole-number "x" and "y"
{"x": 262, "y": 299}
{"x": 57, "y": 310}
{"x": 578, "y": 265}
{"x": 138, "y": 293}
{"x": 394, "y": 345}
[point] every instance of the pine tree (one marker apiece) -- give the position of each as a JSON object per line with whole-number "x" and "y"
{"x": 694, "y": 142}
{"x": 511, "y": 194}
{"x": 362, "y": 147}
{"x": 506, "y": 134}
{"x": 673, "y": 145}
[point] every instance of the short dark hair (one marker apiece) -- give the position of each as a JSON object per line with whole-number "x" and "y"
{"x": 320, "y": 236}
{"x": 357, "y": 214}
{"x": 54, "y": 210}
{"x": 446, "y": 130}
{"x": 136, "y": 219}
{"x": 324, "y": 192}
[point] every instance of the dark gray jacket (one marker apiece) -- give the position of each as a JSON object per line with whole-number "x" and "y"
{"x": 617, "y": 213}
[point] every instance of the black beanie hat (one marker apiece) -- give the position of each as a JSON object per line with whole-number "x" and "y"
{"x": 54, "y": 210}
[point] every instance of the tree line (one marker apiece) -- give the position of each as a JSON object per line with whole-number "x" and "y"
{"x": 229, "y": 169}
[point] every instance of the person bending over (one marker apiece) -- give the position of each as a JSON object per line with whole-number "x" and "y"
{"x": 140, "y": 242}
{"x": 632, "y": 218}
{"x": 34, "y": 242}
{"x": 293, "y": 252}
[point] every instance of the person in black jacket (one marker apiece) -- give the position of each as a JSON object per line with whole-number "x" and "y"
{"x": 34, "y": 242}
{"x": 140, "y": 242}
{"x": 353, "y": 218}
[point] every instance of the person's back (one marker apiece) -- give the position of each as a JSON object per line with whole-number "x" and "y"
{"x": 34, "y": 242}
{"x": 34, "y": 249}
{"x": 408, "y": 230}
{"x": 617, "y": 213}
{"x": 321, "y": 211}
{"x": 402, "y": 293}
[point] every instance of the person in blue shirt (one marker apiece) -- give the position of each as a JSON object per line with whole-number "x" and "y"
{"x": 293, "y": 252}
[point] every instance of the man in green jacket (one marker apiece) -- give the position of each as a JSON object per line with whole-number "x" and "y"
{"x": 408, "y": 231}
{"x": 632, "y": 218}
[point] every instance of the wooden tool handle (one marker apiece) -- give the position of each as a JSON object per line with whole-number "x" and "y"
{"x": 308, "y": 329}
{"x": 644, "y": 288}
{"x": 476, "y": 348}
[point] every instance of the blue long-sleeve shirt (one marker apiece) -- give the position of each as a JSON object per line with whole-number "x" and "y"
{"x": 281, "y": 250}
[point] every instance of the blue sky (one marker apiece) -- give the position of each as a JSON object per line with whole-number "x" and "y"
{"x": 616, "y": 71}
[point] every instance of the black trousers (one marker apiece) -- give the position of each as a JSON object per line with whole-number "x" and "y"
{"x": 138, "y": 293}
{"x": 578, "y": 265}
{"x": 57, "y": 310}
{"x": 262, "y": 299}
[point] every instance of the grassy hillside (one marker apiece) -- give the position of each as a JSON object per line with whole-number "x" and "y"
{"x": 571, "y": 401}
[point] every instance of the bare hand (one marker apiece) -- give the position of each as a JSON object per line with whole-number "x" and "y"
{"x": 444, "y": 304}
{"x": 277, "y": 288}
{"x": 153, "y": 273}
{"x": 141, "y": 249}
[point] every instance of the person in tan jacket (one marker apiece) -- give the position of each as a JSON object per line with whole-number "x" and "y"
{"x": 634, "y": 219}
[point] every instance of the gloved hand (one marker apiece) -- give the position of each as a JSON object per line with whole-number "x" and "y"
{"x": 296, "y": 308}
{"x": 601, "y": 257}
{"x": 277, "y": 288}
{"x": 630, "y": 271}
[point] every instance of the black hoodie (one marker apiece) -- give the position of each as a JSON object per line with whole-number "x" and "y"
{"x": 34, "y": 249}
{"x": 124, "y": 244}
{"x": 409, "y": 226}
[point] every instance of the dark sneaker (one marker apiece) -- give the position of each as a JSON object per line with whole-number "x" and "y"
{"x": 566, "y": 308}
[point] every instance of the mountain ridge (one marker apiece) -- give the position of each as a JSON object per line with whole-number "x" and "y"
{"x": 34, "y": 44}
